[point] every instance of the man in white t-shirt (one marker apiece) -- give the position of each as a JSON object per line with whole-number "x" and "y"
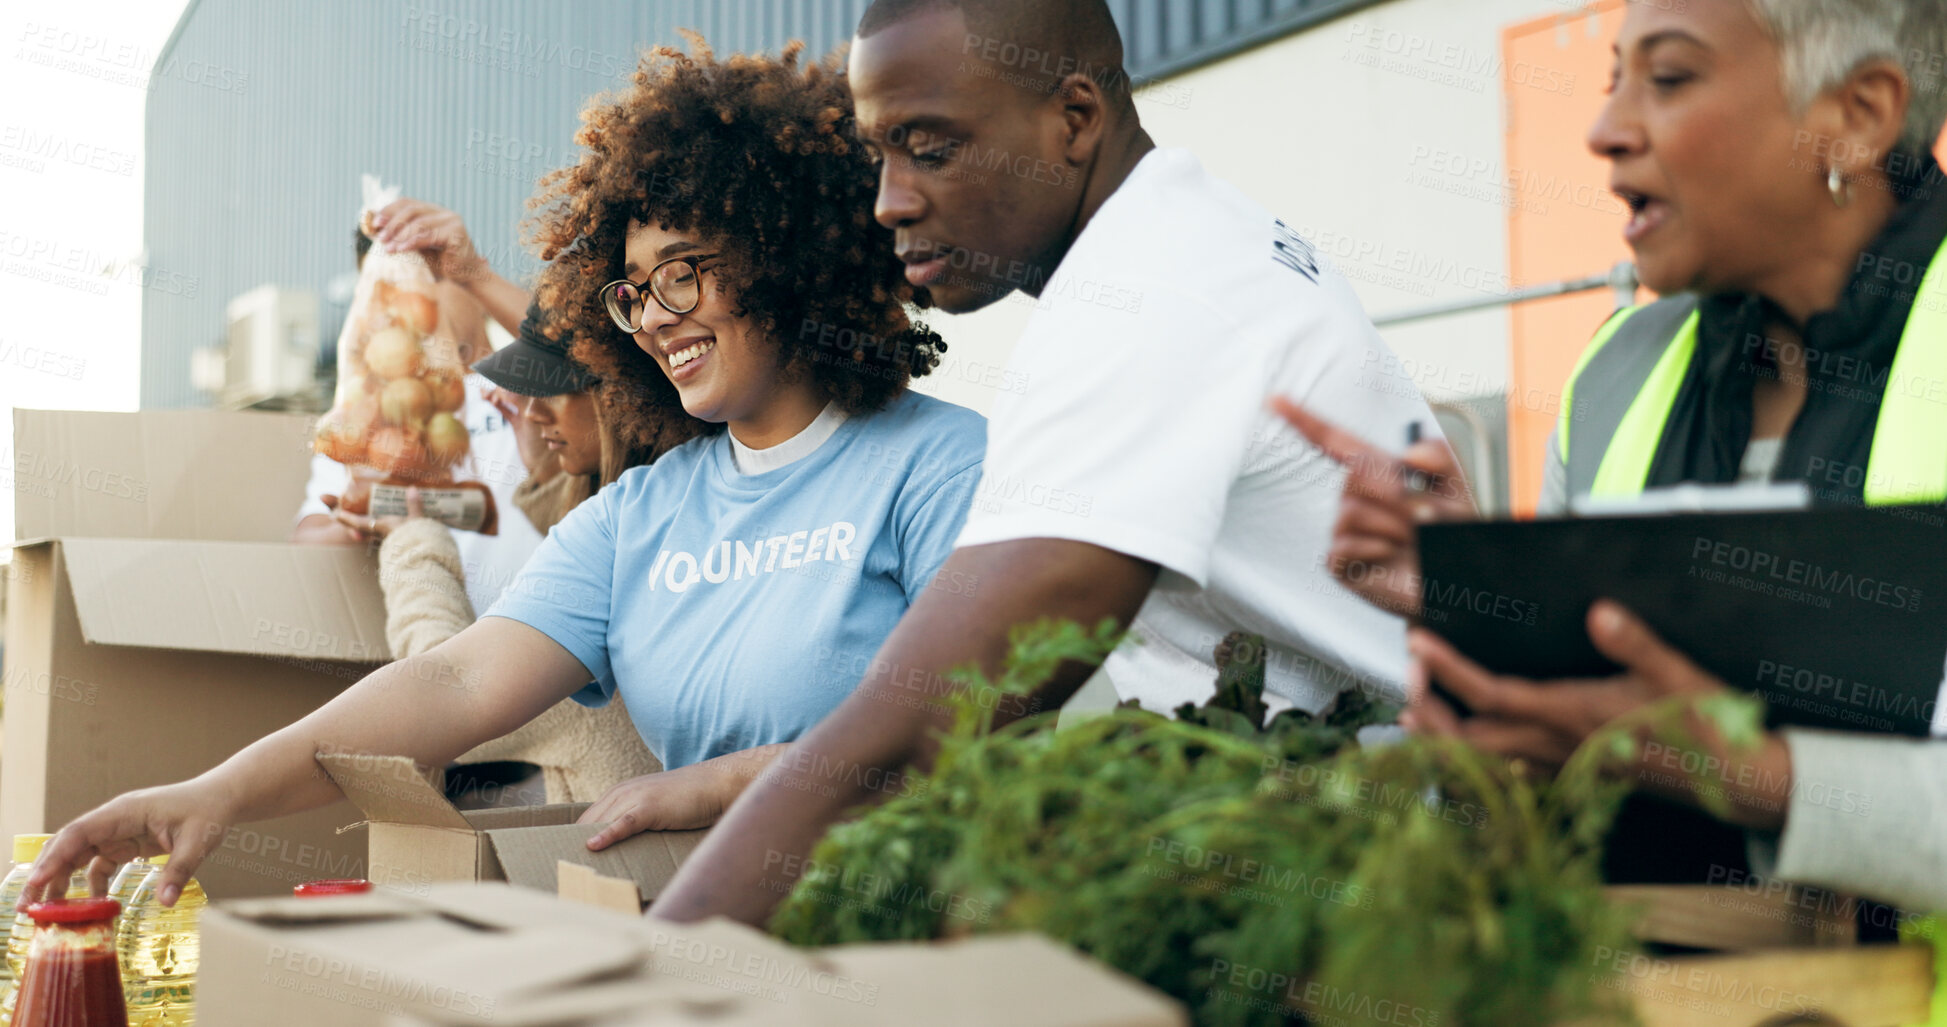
{"x": 1138, "y": 473}
{"x": 489, "y": 562}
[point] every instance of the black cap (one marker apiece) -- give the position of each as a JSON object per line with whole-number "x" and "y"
{"x": 535, "y": 365}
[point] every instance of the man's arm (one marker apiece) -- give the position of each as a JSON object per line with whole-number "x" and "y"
{"x": 755, "y": 855}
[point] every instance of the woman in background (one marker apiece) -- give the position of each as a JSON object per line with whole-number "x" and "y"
{"x": 571, "y": 453}
{"x": 1776, "y": 156}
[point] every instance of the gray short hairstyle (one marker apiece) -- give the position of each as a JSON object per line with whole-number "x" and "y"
{"x": 1823, "y": 41}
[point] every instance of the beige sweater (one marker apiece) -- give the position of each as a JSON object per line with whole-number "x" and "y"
{"x": 583, "y": 752}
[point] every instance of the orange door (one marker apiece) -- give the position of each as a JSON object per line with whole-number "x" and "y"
{"x": 1562, "y": 220}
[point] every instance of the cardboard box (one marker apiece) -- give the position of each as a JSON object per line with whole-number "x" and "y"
{"x": 473, "y": 954}
{"x": 419, "y": 838}
{"x": 1732, "y": 919}
{"x": 1784, "y": 952}
{"x": 158, "y": 622}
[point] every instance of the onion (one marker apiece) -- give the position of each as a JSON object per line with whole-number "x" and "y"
{"x": 396, "y": 452}
{"x": 342, "y": 433}
{"x": 406, "y": 401}
{"x": 392, "y": 353}
{"x": 446, "y": 439}
{"x": 335, "y": 442}
{"x": 449, "y": 392}
{"x": 417, "y": 310}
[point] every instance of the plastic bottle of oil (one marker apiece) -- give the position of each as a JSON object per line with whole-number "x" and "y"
{"x": 160, "y": 949}
{"x": 27, "y": 849}
{"x": 10, "y": 889}
{"x": 122, "y": 888}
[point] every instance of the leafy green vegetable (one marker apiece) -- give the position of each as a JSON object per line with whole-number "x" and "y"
{"x": 1260, "y": 873}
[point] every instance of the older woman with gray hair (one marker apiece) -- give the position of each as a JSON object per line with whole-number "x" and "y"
{"x": 1776, "y": 159}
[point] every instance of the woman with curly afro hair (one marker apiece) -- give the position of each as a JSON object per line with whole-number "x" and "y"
{"x": 753, "y": 160}
{"x": 715, "y": 260}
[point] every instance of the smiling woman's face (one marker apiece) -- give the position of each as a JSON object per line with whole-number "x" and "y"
{"x": 722, "y": 369}
{"x": 1706, "y": 150}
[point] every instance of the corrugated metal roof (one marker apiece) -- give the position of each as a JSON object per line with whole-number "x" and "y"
{"x": 256, "y": 141}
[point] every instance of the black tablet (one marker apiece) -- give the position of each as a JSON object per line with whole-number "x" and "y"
{"x": 1836, "y": 618}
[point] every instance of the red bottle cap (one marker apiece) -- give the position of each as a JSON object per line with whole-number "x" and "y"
{"x": 74, "y": 911}
{"x": 314, "y": 889}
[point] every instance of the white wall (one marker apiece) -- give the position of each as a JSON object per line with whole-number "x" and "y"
{"x": 1349, "y": 132}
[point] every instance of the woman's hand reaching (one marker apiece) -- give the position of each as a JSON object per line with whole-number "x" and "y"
{"x": 1374, "y": 549}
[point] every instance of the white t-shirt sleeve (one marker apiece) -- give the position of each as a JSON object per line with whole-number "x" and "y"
{"x": 328, "y": 478}
{"x": 1130, "y": 430}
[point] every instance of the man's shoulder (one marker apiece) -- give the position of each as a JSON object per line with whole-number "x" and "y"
{"x": 1176, "y": 229}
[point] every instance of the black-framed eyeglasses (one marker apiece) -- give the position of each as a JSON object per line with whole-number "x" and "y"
{"x": 676, "y": 284}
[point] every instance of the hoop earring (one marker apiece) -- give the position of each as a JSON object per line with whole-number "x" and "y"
{"x": 1836, "y": 184}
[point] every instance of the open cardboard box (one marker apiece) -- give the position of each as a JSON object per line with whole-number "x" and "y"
{"x": 418, "y": 838}
{"x": 158, "y": 621}
{"x": 1777, "y": 952}
{"x": 487, "y": 953}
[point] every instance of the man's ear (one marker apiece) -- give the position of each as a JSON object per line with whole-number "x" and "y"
{"x": 1867, "y": 113}
{"x": 1085, "y": 117}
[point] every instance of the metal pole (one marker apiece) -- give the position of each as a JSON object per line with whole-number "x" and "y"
{"x": 1621, "y": 278}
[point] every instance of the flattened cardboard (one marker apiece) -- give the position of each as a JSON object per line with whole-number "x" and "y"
{"x": 503, "y": 906}
{"x": 472, "y": 954}
{"x": 1022, "y": 980}
{"x": 164, "y": 474}
{"x": 418, "y": 837}
{"x": 630, "y": 1001}
{"x": 292, "y": 910}
{"x": 531, "y": 961}
{"x": 457, "y": 954}
{"x": 334, "y": 973}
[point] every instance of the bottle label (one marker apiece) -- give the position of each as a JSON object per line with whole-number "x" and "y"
{"x": 464, "y": 509}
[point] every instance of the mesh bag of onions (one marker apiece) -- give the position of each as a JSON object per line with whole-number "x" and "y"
{"x": 395, "y": 421}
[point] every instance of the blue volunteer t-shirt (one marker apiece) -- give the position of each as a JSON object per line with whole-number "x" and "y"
{"x": 737, "y": 610}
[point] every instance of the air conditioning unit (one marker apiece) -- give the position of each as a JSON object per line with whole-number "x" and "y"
{"x": 272, "y": 346}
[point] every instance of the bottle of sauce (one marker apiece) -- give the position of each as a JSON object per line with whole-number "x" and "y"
{"x": 20, "y": 929}
{"x": 71, "y": 978}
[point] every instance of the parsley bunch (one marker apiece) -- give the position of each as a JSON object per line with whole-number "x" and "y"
{"x": 1260, "y": 872}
